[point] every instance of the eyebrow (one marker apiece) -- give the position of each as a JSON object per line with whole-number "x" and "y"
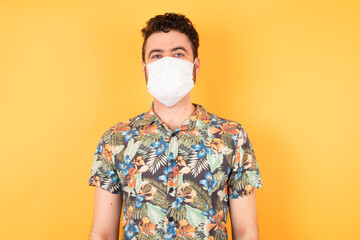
{"x": 178, "y": 48}
{"x": 155, "y": 50}
{"x": 172, "y": 50}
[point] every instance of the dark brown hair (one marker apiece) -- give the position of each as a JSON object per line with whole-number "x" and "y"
{"x": 171, "y": 21}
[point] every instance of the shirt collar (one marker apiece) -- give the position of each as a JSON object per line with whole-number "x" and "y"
{"x": 150, "y": 117}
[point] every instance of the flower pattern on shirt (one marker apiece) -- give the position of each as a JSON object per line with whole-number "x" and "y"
{"x": 176, "y": 184}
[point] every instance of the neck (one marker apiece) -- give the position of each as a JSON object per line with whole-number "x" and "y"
{"x": 175, "y": 115}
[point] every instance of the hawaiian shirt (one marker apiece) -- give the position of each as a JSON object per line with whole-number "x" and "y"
{"x": 176, "y": 184}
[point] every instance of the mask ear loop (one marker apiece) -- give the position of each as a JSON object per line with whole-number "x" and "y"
{"x": 194, "y": 62}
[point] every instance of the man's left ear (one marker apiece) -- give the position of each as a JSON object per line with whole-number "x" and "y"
{"x": 197, "y": 65}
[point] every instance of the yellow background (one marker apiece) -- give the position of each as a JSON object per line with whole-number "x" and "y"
{"x": 289, "y": 71}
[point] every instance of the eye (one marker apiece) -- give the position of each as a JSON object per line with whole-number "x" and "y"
{"x": 179, "y": 55}
{"x": 156, "y": 56}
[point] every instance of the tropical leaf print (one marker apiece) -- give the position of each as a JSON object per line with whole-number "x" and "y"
{"x": 118, "y": 149}
{"x": 240, "y": 184}
{"x": 96, "y": 165}
{"x": 227, "y": 139}
{"x": 220, "y": 176}
{"x": 157, "y": 184}
{"x": 155, "y": 161}
{"x": 139, "y": 121}
{"x": 160, "y": 229}
{"x": 185, "y": 238}
{"x": 106, "y": 165}
{"x": 132, "y": 148}
{"x": 198, "y": 165}
{"x": 201, "y": 232}
{"x": 154, "y": 213}
{"x": 215, "y": 161}
{"x": 147, "y": 236}
{"x": 107, "y": 138}
{"x": 220, "y": 234}
{"x": 187, "y": 140}
{"x": 194, "y": 216}
{"x": 254, "y": 178}
{"x": 201, "y": 199}
{"x": 144, "y": 150}
{"x": 204, "y": 132}
{"x": 177, "y": 214}
{"x": 173, "y": 147}
{"x": 111, "y": 186}
{"x": 243, "y": 138}
{"x": 131, "y": 192}
{"x": 139, "y": 213}
{"x": 186, "y": 151}
{"x": 148, "y": 138}
{"x": 160, "y": 200}
{"x": 227, "y": 151}
{"x": 117, "y": 139}
{"x": 160, "y": 197}
{"x": 229, "y": 159}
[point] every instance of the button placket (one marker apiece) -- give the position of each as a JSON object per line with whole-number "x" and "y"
{"x": 171, "y": 190}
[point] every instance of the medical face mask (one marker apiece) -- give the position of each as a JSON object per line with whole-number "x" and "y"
{"x": 170, "y": 79}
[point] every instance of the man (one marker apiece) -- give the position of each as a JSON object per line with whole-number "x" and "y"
{"x": 176, "y": 168}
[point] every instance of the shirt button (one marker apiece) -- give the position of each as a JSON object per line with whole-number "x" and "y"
{"x": 171, "y": 219}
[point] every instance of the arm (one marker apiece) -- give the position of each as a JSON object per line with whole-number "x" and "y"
{"x": 243, "y": 215}
{"x": 107, "y": 211}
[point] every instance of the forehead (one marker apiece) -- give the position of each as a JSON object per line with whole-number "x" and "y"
{"x": 166, "y": 41}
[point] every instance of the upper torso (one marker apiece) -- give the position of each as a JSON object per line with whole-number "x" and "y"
{"x": 176, "y": 184}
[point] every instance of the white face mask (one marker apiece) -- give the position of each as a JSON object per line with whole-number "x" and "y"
{"x": 170, "y": 79}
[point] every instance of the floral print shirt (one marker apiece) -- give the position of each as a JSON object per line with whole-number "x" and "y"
{"x": 176, "y": 184}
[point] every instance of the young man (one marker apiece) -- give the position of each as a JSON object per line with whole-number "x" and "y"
{"x": 176, "y": 168}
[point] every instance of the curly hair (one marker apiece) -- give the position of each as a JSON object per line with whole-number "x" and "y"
{"x": 171, "y": 21}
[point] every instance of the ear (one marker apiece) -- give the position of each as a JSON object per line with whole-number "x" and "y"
{"x": 144, "y": 71}
{"x": 197, "y": 65}
{"x": 143, "y": 67}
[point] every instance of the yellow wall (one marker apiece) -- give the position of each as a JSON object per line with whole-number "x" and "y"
{"x": 289, "y": 71}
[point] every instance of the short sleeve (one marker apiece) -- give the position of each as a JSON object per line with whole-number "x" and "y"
{"x": 244, "y": 176}
{"x": 103, "y": 171}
